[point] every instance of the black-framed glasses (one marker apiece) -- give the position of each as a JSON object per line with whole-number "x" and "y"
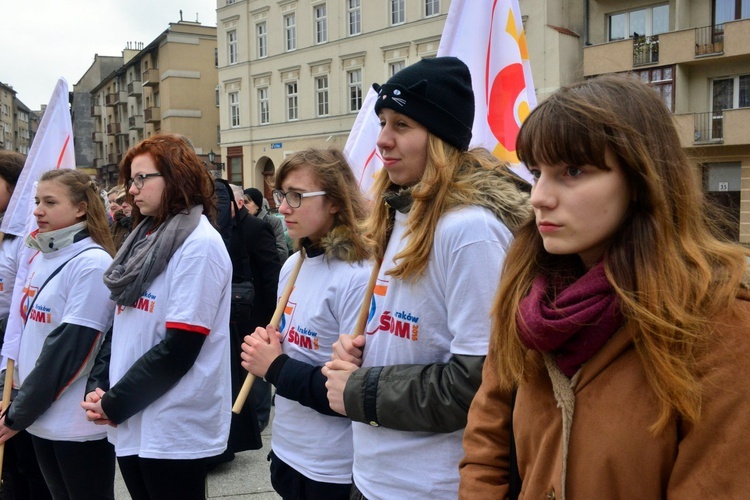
{"x": 293, "y": 198}
{"x": 139, "y": 179}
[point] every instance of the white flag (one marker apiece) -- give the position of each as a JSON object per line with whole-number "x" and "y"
{"x": 52, "y": 149}
{"x": 361, "y": 149}
{"x": 488, "y": 36}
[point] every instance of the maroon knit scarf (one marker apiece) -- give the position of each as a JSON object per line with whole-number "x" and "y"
{"x": 570, "y": 322}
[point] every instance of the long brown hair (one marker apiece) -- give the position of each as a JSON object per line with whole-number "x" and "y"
{"x": 333, "y": 173}
{"x": 187, "y": 181}
{"x": 448, "y": 181}
{"x": 668, "y": 264}
{"x": 81, "y": 189}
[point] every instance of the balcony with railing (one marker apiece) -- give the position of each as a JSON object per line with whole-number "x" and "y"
{"x": 113, "y": 128}
{"x": 135, "y": 122}
{"x": 728, "y": 40}
{"x": 114, "y": 158}
{"x": 152, "y": 114}
{"x": 97, "y": 136}
{"x": 120, "y": 97}
{"x": 645, "y": 50}
{"x": 727, "y": 127}
{"x": 150, "y": 77}
{"x": 135, "y": 88}
{"x": 96, "y": 110}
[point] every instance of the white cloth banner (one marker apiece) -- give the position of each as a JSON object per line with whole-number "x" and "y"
{"x": 488, "y": 36}
{"x": 52, "y": 149}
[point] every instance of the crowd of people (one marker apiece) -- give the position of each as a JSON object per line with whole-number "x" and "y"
{"x": 464, "y": 335}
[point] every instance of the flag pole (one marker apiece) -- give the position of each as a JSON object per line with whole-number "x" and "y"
{"x": 275, "y": 319}
{"x": 364, "y": 309}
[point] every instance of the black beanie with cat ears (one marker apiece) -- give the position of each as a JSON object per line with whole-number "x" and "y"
{"x": 436, "y": 93}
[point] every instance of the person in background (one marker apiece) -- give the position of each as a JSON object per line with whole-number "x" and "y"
{"x": 622, "y": 323}
{"x": 22, "y": 478}
{"x": 122, "y": 223}
{"x": 168, "y": 396}
{"x": 319, "y": 196}
{"x": 252, "y": 249}
{"x": 66, "y": 313}
{"x": 112, "y": 204}
{"x": 257, "y": 205}
{"x": 441, "y": 221}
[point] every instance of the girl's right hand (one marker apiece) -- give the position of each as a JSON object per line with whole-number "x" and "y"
{"x": 349, "y": 349}
{"x": 94, "y": 411}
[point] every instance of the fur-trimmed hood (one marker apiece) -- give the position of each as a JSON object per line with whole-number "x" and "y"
{"x": 502, "y": 195}
{"x": 336, "y": 244}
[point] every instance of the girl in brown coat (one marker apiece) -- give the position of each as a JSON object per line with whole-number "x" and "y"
{"x": 622, "y": 318}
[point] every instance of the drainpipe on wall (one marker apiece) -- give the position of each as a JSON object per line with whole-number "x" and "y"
{"x": 586, "y": 23}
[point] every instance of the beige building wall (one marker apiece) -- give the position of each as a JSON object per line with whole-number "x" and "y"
{"x": 7, "y": 97}
{"x": 167, "y": 86}
{"x": 702, "y": 59}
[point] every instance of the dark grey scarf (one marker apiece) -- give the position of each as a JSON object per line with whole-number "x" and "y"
{"x": 144, "y": 256}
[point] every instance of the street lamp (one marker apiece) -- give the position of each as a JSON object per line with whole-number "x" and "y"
{"x": 212, "y": 157}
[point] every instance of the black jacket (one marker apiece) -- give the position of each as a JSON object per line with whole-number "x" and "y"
{"x": 252, "y": 249}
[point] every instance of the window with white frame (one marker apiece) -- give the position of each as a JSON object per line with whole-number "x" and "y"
{"x": 397, "y": 11}
{"x": 354, "y": 82}
{"x": 395, "y": 66}
{"x": 217, "y": 96}
{"x": 730, "y": 10}
{"x": 431, "y": 8}
{"x": 234, "y": 109}
{"x": 292, "y": 102}
{"x": 261, "y": 35}
{"x": 264, "y": 114}
{"x": 232, "y": 47}
{"x": 230, "y": 2}
{"x": 321, "y": 95}
{"x": 646, "y": 21}
{"x": 354, "y": 11}
{"x": 290, "y": 32}
{"x": 730, "y": 93}
{"x": 321, "y": 23}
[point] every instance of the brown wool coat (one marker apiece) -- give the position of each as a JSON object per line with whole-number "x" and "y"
{"x": 588, "y": 437}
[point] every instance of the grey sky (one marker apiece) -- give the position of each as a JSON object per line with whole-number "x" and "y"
{"x": 43, "y": 40}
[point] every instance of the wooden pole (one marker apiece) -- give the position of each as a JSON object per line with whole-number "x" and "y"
{"x": 364, "y": 309}
{"x": 248, "y": 384}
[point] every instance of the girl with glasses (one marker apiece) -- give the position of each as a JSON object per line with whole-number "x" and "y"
{"x": 441, "y": 221}
{"x": 311, "y": 444}
{"x": 168, "y": 399}
{"x": 66, "y": 312}
{"x": 623, "y": 318}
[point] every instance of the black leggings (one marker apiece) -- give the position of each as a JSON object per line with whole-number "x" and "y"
{"x": 157, "y": 479}
{"x": 77, "y": 470}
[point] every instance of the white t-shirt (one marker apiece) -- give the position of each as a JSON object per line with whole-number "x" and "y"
{"x": 324, "y": 303}
{"x": 426, "y": 321}
{"x": 9, "y": 255}
{"x": 191, "y": 420}
{"x": 77, "y": 296}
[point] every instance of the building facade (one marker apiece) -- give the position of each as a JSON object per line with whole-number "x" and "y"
{"x": 18, "y": 123}
{"x": 167, "y": 86}
{"x": 696, "y": 53}
{"x": 293, "y": 74}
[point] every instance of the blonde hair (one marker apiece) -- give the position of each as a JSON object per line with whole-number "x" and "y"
{"x": 449, "y": 180}
{"x": 81, "y": 189}
{"x": 668, "y": 264}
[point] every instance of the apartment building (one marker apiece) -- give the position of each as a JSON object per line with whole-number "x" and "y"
{"x": 696, "y": 53}
{"x": 83, "y": 125}
{"x": 18, "y": 123}
{"x": 169, "y": 86}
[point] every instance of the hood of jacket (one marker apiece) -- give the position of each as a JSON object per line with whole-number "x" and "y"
{"x": 336, "y": 244}
{"x": 501, "y": 195}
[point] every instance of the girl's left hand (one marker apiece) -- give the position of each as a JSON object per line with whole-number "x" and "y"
{"x": 6, "y": 432}
{"x": 94, "y": 411}
{"x": 260, "y": 350}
